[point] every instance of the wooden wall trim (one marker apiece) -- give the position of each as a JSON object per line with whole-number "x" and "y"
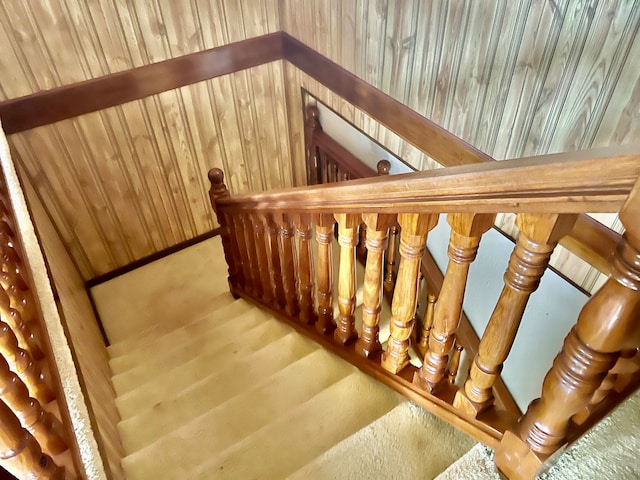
{"x": 422, "y": 133}
{"x": 61, "y": 103}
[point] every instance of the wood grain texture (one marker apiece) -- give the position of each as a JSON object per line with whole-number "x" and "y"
{"x": 513, "y": 79}
{"x": 84, "y": 335}
{"x": 128, "y": 181}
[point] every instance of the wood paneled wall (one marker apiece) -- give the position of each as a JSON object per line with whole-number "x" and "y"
{"x": 84, "y": 336}
{"x": 511, "y": 78}
{"x": 129, "y": 181}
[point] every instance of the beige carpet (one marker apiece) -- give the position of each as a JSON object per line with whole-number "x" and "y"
{"x": 609, "y": 451}
{"x": 211, "y": 387}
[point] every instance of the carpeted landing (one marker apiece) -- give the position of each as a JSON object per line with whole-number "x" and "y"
{"x": 226, "y": 391}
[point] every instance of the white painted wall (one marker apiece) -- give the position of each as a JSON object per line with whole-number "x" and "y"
{"x": 551, "y": 311}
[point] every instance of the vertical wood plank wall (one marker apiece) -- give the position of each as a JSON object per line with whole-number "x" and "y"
{"x": 85, "y": 338}
{"x": 128, "y": 181}
{"x": 511, "y": 78}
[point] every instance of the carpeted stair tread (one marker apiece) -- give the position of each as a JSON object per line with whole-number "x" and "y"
{"x": 224, "y": 349}
{"x": 182, "y": 336}
{"x": 289, "y": 442}
{"x": 231, "y": 379}
{"x": 421, "y": 447}
{"x": 149, "y": 334}
{"x": 246, "y": 377}
{"x": 228, "y": 423}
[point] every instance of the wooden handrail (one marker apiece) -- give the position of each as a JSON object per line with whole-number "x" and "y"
{"x": 553, "y": 183}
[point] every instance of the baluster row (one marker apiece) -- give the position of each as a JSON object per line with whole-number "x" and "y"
{"x": 270, "y": 258}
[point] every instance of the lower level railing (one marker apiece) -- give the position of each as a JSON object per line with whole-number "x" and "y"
{"x": 33, "y": 442}
{"x": 268, "y": 239}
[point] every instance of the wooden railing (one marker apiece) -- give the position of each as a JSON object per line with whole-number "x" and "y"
{"x": 328, "y": 162}
{"x": 597, "y": 366}
{"x": 33, "y": 442}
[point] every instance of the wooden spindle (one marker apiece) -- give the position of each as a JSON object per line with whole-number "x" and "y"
{"x": 466, "y": 231}
{"x": 287, "y": 262}
{"x": 412, "y": 246}
{"x": 46, "y": 429}
{"x": 21, "y": 330}
{"x": 304, "y": 264}
{"x": 617, "y": 379}
{"x": 416, "y": 315}
{"x": 538, "y": 236}
{"x": 362, "y": 242}
{"x": 390, "y": 265}
{"x": 22, "y": 363}
{"x": 454, "y": 364}
{"x": 324, "y": 279}
{"x": 323, "y": 174}
{"x": 252, "y": 257}
{"x": 219, "y": 191}
{"x": 427, "y": 323}
{"x": 376, "y": 242}
{"x": 20, "y": 453}
{"x": 245, "y": 265}
{"x": 607, "y": 326}
{"x": 273, "y": 259}
{"x": 262, "y": 264}
{"x": 347, "y": 239}
{"x": 312, "y": 125}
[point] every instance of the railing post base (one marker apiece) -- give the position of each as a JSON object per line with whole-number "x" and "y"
{"x": 515, "y": 460}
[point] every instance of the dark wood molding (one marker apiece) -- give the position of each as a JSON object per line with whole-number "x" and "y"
{"x": 49, "y": 106}
{"x": 105, "y": 277}
{"x": 421, "y": 132}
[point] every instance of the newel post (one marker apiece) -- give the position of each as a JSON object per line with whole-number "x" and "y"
{"x": 217, "y": 192}
{"x": 608, "y": 325}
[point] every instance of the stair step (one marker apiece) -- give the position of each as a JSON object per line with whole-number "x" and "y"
{"x": 249, "y": 333}
{"x": 288, "y": 443}
{"x": 231, "y": 378}
{"x": 150, "y": 334}
{"x": 238, "y": 417}
{"x": 183, "y": 405}
{"x": 171, "y": 289}
{"x": 181, "y": 336}
{"x": 422, "y": 446}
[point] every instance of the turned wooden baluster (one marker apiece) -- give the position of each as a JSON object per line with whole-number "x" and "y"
{"x": 466, "y": 231}
{"x": 273, "y": 259}
{"x": 607, "y": 325}
{"x": 20, "y": 453}
{"x": 454, "y": 365}
{"x": 24, "y": 314}
{"x": 22, "y": 363}
{"x": 42, "y": 425}
{"x": 412, "y": 247}
{"x": 287, "y": 262}
{"x": 305, "y": 267}
{"x": 362, "y": 242}
{"x": 312, "y": 125}
{"x": 219, "y": 191}
{"x": 13, "y": 317}
{"x": 390, "y": 264}
{"x": 347, "y": 239}
{"x": 617, "y": 379}
{"x": 251, "y": 244}
{"x": 538, "y": 236}
{"x": 262, "y": 264}
{"x": 376, "y": 242}
{"x": 240, "y": 240}
{"x": 324, "y": 278}
{"x": 427, "y": 323}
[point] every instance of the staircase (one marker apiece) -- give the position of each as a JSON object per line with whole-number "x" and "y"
{"x": 227, "y": 391}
